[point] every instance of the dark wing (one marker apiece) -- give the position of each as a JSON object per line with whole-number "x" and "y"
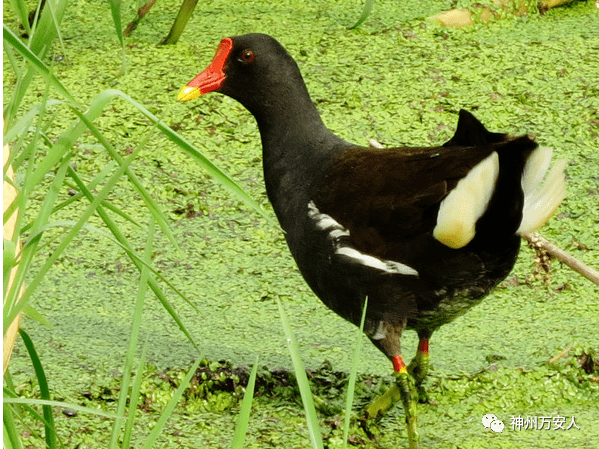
{"x": 392, "y": 196}
{"x": 378, "y": 209}
{"x": 389, "y": 199}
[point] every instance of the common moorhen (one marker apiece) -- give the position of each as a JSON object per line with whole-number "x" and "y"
{"x": 424, "y": 233}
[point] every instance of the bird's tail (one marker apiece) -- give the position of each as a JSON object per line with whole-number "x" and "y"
{"x": 541, "y": 199}
{"x": 469, "y": 200}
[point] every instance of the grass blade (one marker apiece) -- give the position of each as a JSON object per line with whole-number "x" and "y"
{"x": 351, "y": 384}
{"x": 9, "y": 391}
{"x": 368, "y": 5}
{"x": 120, "y": 239}
{"x": 61, "y": 404}
{"x": 183, "y": 17}
{"x": 29, "y": 409}
{"x": 147, "y": 198}
{"x": 206, "y": 164}
{"x": 56, "y": 19}
{"x": 44, "y": 390}
{"x": 302, "y": 381}
{"x": 246, "y": 410}
{"x": 115, "y": 9}
{"x": 34, "y": 314}
{"x": 134, "y": 338}
{"x": 11, "y": 308}
{"x": 95, "y": 206}
{"x": 134, "y": 398}
{"x": 20, "y": 9}
{"x": 103, "y": 98}
{"x": 22, "y": 125}
{"x": 168, "y": 410}
{"x": 84, "y": 217}
{"x": 23, "y": 82}
{"x": 11, "y": 437}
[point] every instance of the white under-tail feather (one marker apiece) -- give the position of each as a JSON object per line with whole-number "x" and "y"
{"x": 466, "y": 203}
{"x": 373, "y": 143}
{"x": 541, "y": 199}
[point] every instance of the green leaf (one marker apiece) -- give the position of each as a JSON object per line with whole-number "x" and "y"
{"x": 134, "y": 397}
{"x": 11, "y": 437}
{"x": 115, "y": 9}
{"x": 44, "y": 402}
{"x": 246, "y": 409}
{"x": 368, "y": 5}
{"x": 166, "y": 413}
{"x": 133, "y": 339}
{"x": 44, "y": 390}
{"x": 351, "y": 384}
{"x": 302, "y": 381}
{"x": 11, "y": 308}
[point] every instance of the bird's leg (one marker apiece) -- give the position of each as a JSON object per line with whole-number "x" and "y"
{"x": 383, "y": 403}
{"x": 418, "y": 367}
{"x": 402, "y": 390}
{"x": 388, "y": 338}
{"x": 405, "y": 383}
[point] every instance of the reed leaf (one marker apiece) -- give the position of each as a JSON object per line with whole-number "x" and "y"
{"x": 368, "y": 5}
{"x": 302, "y": 381}
{"x": 246, "y": 409}
{"x": 351, "y": 384}
{"x": 166, "y": 413}
{"x": 44, "y": 390}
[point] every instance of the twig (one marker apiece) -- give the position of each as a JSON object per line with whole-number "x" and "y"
{"x": 141, "y": 12}
{"x": 552, "y": 249}
{"x": 561, "y": 355}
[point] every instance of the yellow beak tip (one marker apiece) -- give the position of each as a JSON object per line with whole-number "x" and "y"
{"x": 189, "y": 93}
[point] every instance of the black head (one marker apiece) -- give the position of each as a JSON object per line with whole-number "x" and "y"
{"x": 254, "y": 69}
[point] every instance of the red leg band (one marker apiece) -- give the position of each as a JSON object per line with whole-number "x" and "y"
{"x": 423, "y": 346}
{"x": 398, "y": 365}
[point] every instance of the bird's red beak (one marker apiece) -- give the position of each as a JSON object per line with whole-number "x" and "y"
{"x": 211, "y": 78}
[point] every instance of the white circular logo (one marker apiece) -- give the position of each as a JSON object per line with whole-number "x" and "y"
{"x": 487, "y": 419}
{"x": 491, "y": 421}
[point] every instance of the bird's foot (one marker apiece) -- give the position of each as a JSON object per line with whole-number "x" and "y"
{"x": 383, "y": 403}
{"x": 406, "y": 387}
{"x": 404, "y": 390}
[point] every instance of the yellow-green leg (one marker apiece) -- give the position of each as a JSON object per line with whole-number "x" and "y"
{"x": 405, "y": 382}
{"x": 418, "y": 367}
{"x": 383, "y": 403}
{"x": 403, "y": 389}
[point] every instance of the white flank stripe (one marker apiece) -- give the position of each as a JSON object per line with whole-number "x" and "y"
{"x": 373, "y": 143}
{"x": 362, "y": 258}
{"x": 336, "y": 233}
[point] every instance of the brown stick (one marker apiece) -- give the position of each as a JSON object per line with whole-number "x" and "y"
{"x": 141, "y": 12}
{"x": 561, "y": 255}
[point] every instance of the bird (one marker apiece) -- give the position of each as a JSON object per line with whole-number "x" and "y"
{"x": 424, "y": 233}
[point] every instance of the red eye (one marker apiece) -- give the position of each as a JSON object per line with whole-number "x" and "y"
{"x": 247, "y": 56}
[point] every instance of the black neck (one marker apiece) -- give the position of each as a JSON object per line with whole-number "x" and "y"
{"x": 296, "y": 147}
